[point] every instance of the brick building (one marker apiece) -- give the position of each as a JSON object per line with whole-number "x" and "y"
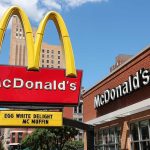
{"x": 119, "y": 106}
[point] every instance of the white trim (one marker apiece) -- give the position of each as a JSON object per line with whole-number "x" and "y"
{"x": 14, "y": 144}
{"x": 17, "y": 131}
{"x": 123, "y": 112}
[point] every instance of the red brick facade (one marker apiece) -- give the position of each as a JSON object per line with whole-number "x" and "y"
{"x": 113, "y": 80}
{"x": 117, "y": 77}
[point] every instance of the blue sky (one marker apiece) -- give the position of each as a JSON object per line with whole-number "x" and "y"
{"x": 99, "y": 30}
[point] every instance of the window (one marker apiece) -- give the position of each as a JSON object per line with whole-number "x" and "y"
{"x": 52, "y": 51}
{"x": 52, "y": 66}
{"x": 140, "y": 135}
{"x": 107, "y": 139}
{"x": 42, "y": 65}
{"x": 47, "y": 51}
{"x": 16, "y": 34}
{"x": 52, "y": 61}
{"x": 58, "y": 66}
{"x": 80, "y": 108}
{"x": 58, "y": 62}
{"x": 13, "y": 137}
{"x": 52, "y": 56}
{"x": 58, "y": 57}
{"x": 20, "y": 137}
{"x": 58, "y": 52}
{"x": 47, "y": 56}
{"x": 42, "y": 60}
{"x": 42, "y": 50}
{"x": 80, "y": 119}
{"x": 75, "y": 109}
{"x": 16, "y": 29}
{"x": 47, "y": 61}
{"x": 20, "y": 29}
{"x": 42, "y": 55}
{"x": 47, "y": 66}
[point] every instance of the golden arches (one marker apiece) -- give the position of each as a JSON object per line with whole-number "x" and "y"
{"x": 35, "y": 47}
{"x": 64, "y": 37}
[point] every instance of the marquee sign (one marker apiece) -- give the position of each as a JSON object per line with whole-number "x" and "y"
{"x": 35, "y": 85}
{"x": 30, "y": 119}
{"x": 141, "y": 78}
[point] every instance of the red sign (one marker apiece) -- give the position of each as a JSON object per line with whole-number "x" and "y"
{"x": 46, "y": 86}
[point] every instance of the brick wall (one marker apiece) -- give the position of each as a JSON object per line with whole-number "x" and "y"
{"x": 112, "y": 81}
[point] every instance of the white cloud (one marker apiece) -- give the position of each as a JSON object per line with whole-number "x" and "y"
{"x": 35, "y": 9}
{"x": 76, "y": 3}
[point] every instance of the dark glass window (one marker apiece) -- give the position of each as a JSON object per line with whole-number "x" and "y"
{"x": 13, "y": 137}
{"x": 140, "y": 135}
{"x": 134, "y": 132}
{"x": 80, "y": 119}
{"x": 144, "y": 130}
{"x": 107, "y": 139}
{"x": 20, "y": 137}
{"x": 80, "y": 108}
{"x": 75, "y": 109}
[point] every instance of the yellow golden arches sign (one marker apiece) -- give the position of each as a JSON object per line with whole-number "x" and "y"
{"x": 34, "y": 47}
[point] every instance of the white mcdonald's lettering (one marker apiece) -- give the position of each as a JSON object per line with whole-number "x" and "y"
{"x": 141, "y": 78}
{"x": 19, "y": 83}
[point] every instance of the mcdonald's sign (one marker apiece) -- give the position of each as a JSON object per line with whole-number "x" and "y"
{"x": 34, "y": 85}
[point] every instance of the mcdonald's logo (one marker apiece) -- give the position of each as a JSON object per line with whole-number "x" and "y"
{"x": 34, "y": 47}
{"x": 46, "y": 86}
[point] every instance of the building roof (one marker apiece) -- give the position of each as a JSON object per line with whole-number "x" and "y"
{"x": 87, "y": 92}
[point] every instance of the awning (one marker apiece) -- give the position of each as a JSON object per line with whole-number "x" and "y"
{"x": 123, "y": 112}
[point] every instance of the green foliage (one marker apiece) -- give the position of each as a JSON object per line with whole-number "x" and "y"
{"x": 73, "y": 145}
{"x": 50, "y": 138}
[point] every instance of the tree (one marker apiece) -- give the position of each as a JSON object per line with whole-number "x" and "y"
{"x": 1, "y": 145}
{"x": 73, "y": 145}
{"x": 52, "y": 138}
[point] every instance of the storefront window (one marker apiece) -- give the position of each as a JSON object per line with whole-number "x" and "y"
{"x": 134, "y": 132}
{"x": 144, "y": 129}
{"x": 108, "y": 139}
{"x": 100, "y": 137}
{"x": 105, "y": 136}
{"x": 112, "y": 135}
{"x": 140, "y": 135}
